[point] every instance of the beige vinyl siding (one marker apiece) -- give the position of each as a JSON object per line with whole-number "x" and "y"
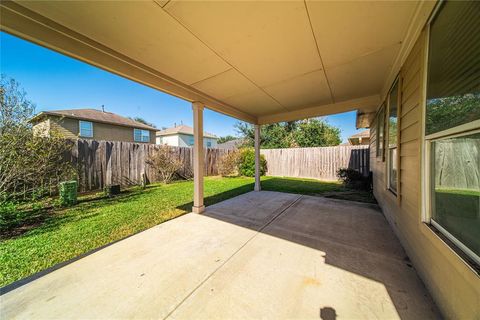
{"x": 69, "y": 128}
{"x": 66, "y": 127}
{"x": 42, "y": 128}
{"x": 453, "y": 284}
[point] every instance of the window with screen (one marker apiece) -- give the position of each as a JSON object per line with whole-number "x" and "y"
{"x": 86, "y": 129}
{"x": 141, "y": 135}
{"x": 452, "y": 124}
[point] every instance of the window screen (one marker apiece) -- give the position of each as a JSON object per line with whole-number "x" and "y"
{"x": 141, "y": 135}
{"x": 86, "y": 129}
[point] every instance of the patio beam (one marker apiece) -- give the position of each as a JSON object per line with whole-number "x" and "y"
{"x": 198, "y": 158}
{"x": 365, "y": 104}
{"x": 257, "y": 158}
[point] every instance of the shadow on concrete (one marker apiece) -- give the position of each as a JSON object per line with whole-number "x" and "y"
{"x": 328, "y": 313}
{"x": 354, "y": 237}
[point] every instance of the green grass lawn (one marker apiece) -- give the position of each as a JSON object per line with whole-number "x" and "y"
{"x": 96, "y": 221}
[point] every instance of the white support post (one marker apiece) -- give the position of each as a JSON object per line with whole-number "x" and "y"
{"x": 257, "y": 158}
{"x": 198, "y": 158}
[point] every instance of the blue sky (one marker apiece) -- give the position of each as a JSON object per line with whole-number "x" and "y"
{"x": 53, "y": 81}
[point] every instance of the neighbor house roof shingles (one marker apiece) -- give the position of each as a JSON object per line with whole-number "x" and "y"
{"x": 96, "y": 116}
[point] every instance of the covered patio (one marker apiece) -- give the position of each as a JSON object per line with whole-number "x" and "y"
{"x": 269, "y": 255}
{"x": 260, "y": 62}
{"x": 259, "y": 255}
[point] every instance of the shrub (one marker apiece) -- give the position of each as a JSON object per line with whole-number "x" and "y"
{"x": 353, "y": 179}
{"x": 9, "y": 215}
{"x": 165, "y": 162}
{"x": 30, "y": 162}
{"x": 228, "y": 164}
{"x": 246, "y": 163}
{"x": 30, "y": 165}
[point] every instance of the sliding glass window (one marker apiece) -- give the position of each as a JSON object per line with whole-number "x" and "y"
{"x": 452, "y": 124}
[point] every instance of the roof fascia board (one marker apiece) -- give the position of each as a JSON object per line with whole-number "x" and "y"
{"x": 365, "y": 103}
{"x": 47, "y": 114}
{"x": 179, "y": 133}
{"x": 420, "y": 18}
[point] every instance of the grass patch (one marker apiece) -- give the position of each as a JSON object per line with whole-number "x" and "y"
{"x": 465, "y": 192}
{"x": 96, "y": 220}
{"x": 329, "y": 189}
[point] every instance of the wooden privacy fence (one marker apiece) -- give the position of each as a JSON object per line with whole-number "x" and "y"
{"x": 318, "y": 163}
{"x": 100, "y": 163}
{"x": 457, "y": 163}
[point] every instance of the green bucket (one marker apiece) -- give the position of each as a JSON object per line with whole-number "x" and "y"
{"x": 68, "y": 193}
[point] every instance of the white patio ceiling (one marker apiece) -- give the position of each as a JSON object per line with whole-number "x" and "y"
{"x": 258, "y": 61}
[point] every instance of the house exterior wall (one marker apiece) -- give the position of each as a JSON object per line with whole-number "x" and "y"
{"x": 168, "y": 140}
{"x": 452, "y": 283}
{"x": 69, "y": 128}
{"x": 42, "y": 128}
{"x": 359, "y": 141}
{"x": 184, "y": 140}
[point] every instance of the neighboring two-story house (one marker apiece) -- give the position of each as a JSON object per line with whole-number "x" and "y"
{"x": 92, "y": 124}
{"x": 182, "y": 136}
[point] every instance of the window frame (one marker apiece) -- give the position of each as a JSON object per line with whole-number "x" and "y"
{"x": 387, "y": 149}
{"x": 80, "y": 128}
{"x": 380, "y": 115}
{"x": 142, "y": 131}
{"x": 464, "y": 253}
{"x": 454, "y": 132}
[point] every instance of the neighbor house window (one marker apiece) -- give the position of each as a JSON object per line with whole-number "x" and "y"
{"x": 392, "y": 138}
{"x": 190, "y": 141}
{"x": 452, "y": 125}
{"x": 209, "y": 144}
{"x": 86, "y": 129}
{"x": 141, "y": 135}
{"x": 380, "y": 131}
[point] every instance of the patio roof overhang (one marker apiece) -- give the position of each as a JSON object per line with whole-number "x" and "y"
{"x": 261, "y": 62}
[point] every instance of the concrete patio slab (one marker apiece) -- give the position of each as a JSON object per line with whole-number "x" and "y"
{"x": 259, "y": 255}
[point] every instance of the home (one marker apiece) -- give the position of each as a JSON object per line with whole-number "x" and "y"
{"x": 182, "y": 136}
{"x": 410, "y": 69}
{"x": 92, "y": 124}
{"x": 232, "y": 144}
{"x": 361, "y": 138}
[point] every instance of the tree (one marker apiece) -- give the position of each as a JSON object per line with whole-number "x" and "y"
{"x": 165, "y": 162}
{"x": 141, "y": 120}
{"x": 226, "y": 139}
{"x": 29, "y": 163}
{"x": 16, "y": 109}
{"x": 448, "y": 112}
{"x": 314, "y": 132}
